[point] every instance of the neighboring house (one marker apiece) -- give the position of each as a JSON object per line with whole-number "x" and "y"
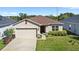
{"x": 38, "y": 25}
{"x": 72, "y": 24}
{"x": 5, "y": 23}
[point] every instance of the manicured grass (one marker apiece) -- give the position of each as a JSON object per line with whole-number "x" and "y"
{"x": 2, "y": 45}
{"x": 59, "y": 43}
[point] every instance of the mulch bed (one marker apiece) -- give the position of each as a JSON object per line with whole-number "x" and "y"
{"x": 8, "y": 39}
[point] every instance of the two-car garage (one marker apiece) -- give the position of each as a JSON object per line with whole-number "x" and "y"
{"x": 25, "y": 30}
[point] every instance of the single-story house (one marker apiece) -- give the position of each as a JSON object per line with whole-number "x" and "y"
{"x": 72, "y": 24}
{"x": 5, "y": 23}
{"x": 38, "y": 25}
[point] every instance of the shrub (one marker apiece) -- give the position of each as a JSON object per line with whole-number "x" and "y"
{"x": 50, "y": 33}
{"x": 63, "y": 33}
{"x": 70, "y": 41}
{"x": 9, "y": 35}
{"x": 57, "y": 33}
{"x": 9, "y": 32}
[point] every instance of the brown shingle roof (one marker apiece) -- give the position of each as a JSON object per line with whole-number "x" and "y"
{"x": 44, "y": 20}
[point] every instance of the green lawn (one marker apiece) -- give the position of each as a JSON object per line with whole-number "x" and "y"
{"x": 59, "y": 43}
{"x": 2, "y": 45}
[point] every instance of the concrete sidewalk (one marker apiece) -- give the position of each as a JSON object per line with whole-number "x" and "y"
{"x": 19, "y": 44}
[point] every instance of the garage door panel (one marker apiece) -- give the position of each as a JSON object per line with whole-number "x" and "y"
{"x": 26, "y": 33}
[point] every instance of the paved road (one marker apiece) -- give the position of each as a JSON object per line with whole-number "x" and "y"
{"x": 19, "y": 44}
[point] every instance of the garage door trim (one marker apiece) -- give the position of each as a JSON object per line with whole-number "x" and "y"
{"x": 27, "y": 29}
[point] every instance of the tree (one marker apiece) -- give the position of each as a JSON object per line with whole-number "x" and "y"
{"x": 22, "y": 16}
{"x": 16, "y": 18}
{"x": 29, "y": 16}
{"x": 65, "y": 15}
{"x": 52, "y": 17}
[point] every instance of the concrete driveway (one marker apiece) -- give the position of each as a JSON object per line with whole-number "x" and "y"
{"x": 19, "y": 44}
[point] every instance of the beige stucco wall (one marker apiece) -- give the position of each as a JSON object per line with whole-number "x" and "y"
{"x": 28, "y": 25}
{"x": 48, "y": 28}
{"x": 60, "y": 28}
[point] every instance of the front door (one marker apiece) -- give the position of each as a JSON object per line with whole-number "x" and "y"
{"x": 42, "y": 29}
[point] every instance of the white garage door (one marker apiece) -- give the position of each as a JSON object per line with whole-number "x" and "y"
{"x": 25, "y": 33}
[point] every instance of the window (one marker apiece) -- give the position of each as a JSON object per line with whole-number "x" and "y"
{"x": 55, "y": 28}
{"x": 25, "y": 21}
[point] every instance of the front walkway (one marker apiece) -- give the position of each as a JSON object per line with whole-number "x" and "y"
{"x": 21, "y": 45}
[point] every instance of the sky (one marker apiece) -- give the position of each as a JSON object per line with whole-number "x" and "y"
{"x": 13, "y": 11}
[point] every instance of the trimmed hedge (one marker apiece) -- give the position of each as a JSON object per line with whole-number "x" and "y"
{"x": 58, "y": 33}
